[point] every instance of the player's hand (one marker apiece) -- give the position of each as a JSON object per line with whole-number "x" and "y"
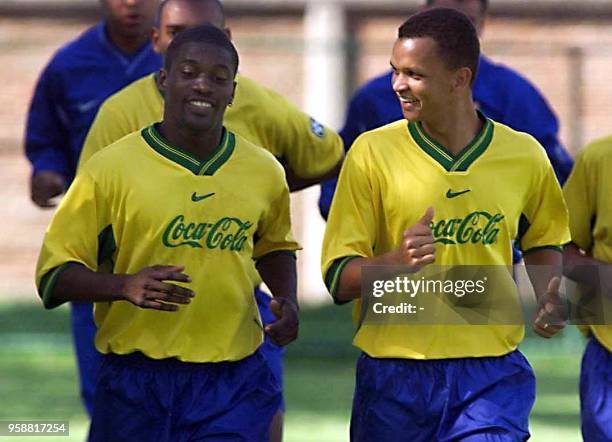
{"x": 46, "y": 185}
{"x": 417, "y": 249}
{"x": 147, "y": 288}
{"x": 552, "y": 313}
{"x": 285, "y": 329}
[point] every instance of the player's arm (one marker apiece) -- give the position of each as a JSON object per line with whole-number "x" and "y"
{"x": 46, "y": 141}
{"x": 544, "y": 271}
{"x": 296, "y": 182}
{"x": 416, "y": 250}
{"x": 274, "y": 254}
{"x": 356, "y": 123}
{"x": 148, "y": 288}
{"x": 76, "y": 246}
{"x": 278, "y": 271}
{"x": 543, "y": 230}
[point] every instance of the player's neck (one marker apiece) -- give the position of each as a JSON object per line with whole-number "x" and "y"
{"x": 455, "y": 130}
{"x": 126, "y": 44}
{"x": 200, "y": 144}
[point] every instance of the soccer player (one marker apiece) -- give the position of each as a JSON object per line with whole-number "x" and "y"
{"x": 443, "y": 185}
{"x": 501, "y": 94}
{"x": 309, "y": 151}
{"x": 177, "y": 212}
{"x": 588, "y": 261}
{"x": 79, "y": 77}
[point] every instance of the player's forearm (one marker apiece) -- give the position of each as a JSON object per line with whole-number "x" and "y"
{"x": 296, "y": 182}
{"x": 278, "y": 271}
{"x": 542, "y": 266}
{"x": 349, "y": 287}
{"x": 80, "y": 284}
{"x": 582, "y": 268}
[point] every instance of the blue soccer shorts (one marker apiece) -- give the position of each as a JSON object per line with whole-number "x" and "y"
{"x": 470, "y": 399}
{"x": 89, "y": 359}
{"x": 142, "y": 399}
{"x": 596, "y": 393}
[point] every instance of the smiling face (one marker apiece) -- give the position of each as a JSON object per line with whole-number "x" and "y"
{"x": 423, "y": 82}
{"x": 198, "y": 86}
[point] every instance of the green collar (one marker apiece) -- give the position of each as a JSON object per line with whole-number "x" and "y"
{"x": 439, "y": 153}
{"x": 206, "y": 167}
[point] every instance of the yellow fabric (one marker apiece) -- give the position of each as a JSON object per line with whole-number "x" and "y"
{"x": 214, "y": 222}
{"x": 587, "y": 192}
{"x": 260, "y": 115}
{"x": 386, "y": 185}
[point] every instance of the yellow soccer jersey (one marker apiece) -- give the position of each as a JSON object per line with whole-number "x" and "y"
{"x": 587, "y": 193}
{"x": 391, "y": 175}
{"x": 260, "y": 115}
{"x": 144, "y": 202}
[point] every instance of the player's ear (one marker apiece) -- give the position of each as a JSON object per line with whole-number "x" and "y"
{"x": 463, "y": 78}
{"x": 228, "y": 32}
{"x": 162, "y": 78}
{"x": 233, "y": 93}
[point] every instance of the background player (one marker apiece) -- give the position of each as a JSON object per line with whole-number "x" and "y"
{"x": 398, "y": 186}
{"x": 500, "y": 92}
{"x": 309, "y": 151}
{"x": 587, "y": 261}
{"x": 209, "y": 200}
{"x": 79, "y": 77}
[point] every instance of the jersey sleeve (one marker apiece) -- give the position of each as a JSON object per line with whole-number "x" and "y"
{"x": 351, "y": 225}
{"x": 274, "y": 227}
{"x": 46, "y": 138}
{"x": 308, "y": 147}
{"x": 108, "y": 126}
{"x": 579, "y": 192}
{"x": 544, "y": 222}
{"x": 79, "y": 233}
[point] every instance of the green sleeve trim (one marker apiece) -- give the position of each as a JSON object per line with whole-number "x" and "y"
{"x": 106, "y": 247}
{"x": 48, "y": 282}
{"x": 537, "y": 249}
{"x": 277, "y": 252}
{"x": 332, "y": 276}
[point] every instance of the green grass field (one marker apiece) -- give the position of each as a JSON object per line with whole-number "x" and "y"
{"x": 37, "y": 376}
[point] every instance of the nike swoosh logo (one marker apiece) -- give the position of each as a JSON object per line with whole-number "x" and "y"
{"x": 451, "y": 194}
{"x": 88, "y": 105}
{"x": 196, "y": 198}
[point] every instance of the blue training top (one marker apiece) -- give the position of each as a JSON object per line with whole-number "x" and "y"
{"x": 77, "y": 80}
{"x": 500, "y": 93}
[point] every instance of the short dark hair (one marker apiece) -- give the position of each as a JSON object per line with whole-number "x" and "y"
{"x": 484, "y": 4}
{"x": 455, "y": 36}
{"x": 207, "y": 34}
{"x": 217, "y": 3}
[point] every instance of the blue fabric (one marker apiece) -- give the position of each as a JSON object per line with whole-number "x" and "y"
{"x": 500, "y": 93}
{"x": 596, "y": 393}
{"x": 141, "y": 399}
{"x": 269, "y": 350}
{"x": 89, "y": 359}
{"x": 79, "y": 77}
{"x": 472, "y": 399}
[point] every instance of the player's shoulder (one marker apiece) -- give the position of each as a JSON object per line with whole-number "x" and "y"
{"x": 597, "y": 150}
{"x": 507, "y": 78}
{"x": 83, "y": 48}
{"x": 376, "y": 140}
{"x": 133, "y": 95}
{"x": 521, "y": 146}
{"x": 259, "y": 160}
{"x": 376, "y": 85}
{"x": 250, "y": 91}
{"x": 117, "y": 155}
